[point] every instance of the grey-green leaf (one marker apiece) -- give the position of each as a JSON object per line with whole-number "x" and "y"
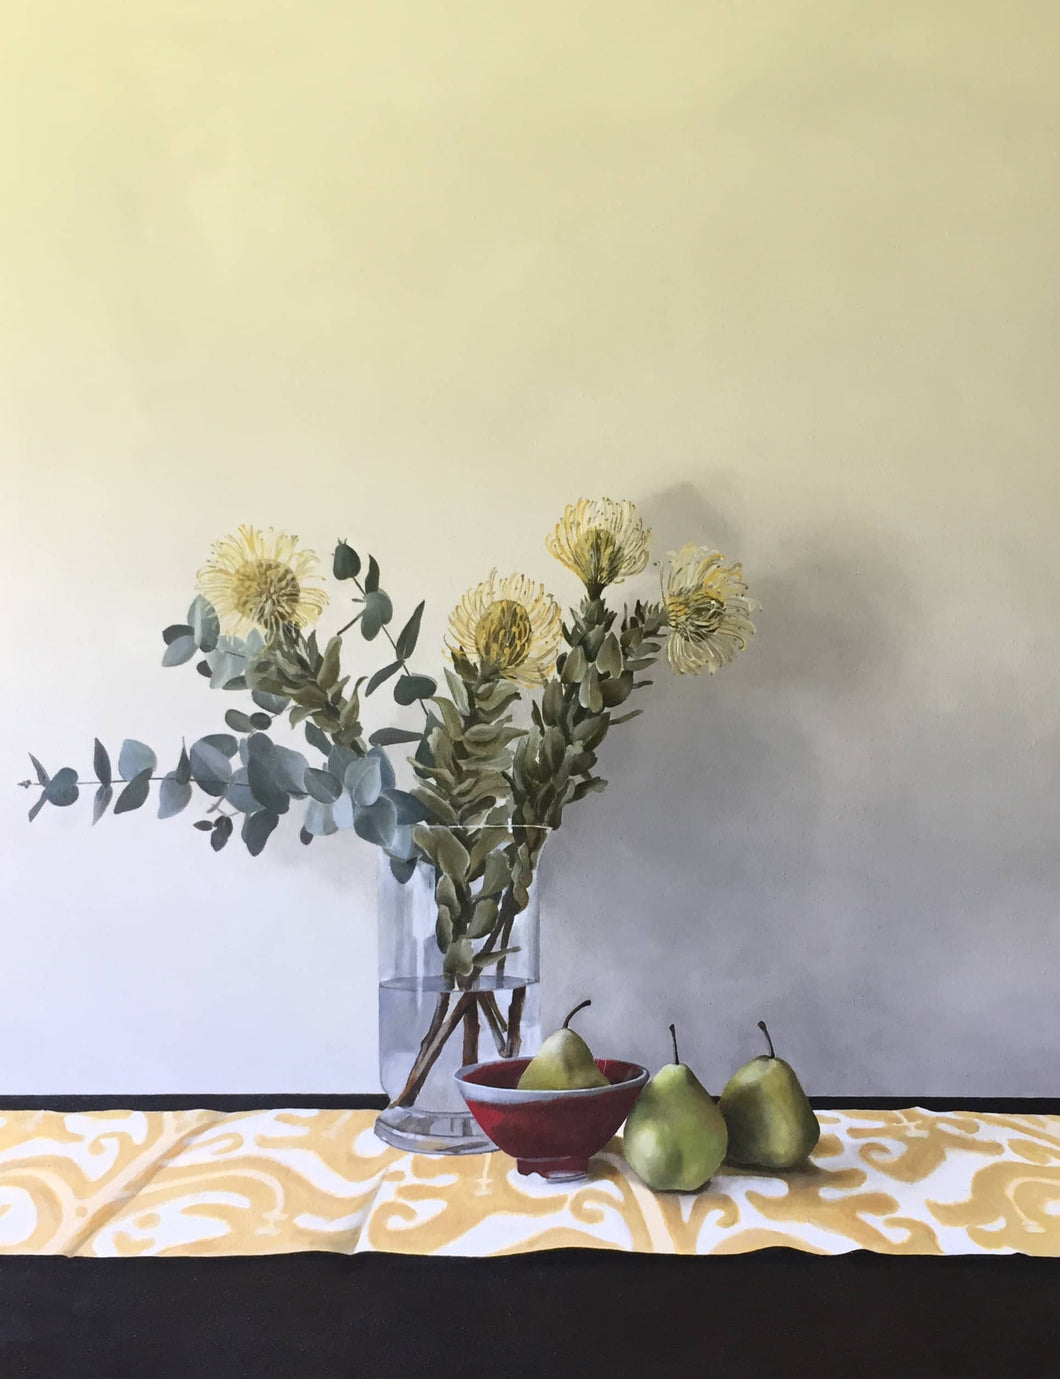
{"x": 134, "y": 794}
{"x": 222, "y": 831}
{"x": 265, "y": 774}
{"x": 322, "y": 785}
{"x": 239, "y": 794}
{"x": 317, "y": 738}
{"x": 346, "y": 563}
{"x": 173, "y": 796}
{"x": 239, "y": 722}
{"x": 42, "y": 775}
{"x": 210, "y": 768}
{"x": 104, "y": 795}
{"x": 381, "y": 675}
{"x": 179, "y": 651}
{"x": 271, "y": 703}
{"x": 363, "y": 778}
{"x": 376, "y": 823}
{"x": 378, "y": 610}
{"x": 412, "y": 687}
{"x": 392, "y": 737}
{"x": 134, "y": 758}
{"x": 371, "y": 579}
{"x": 175, "y": 631}
{"x": 183, "y": 771}
{"x": 205, "y": 624}
{"x": 410, "y": 633}
{"x": 36, "y": 809}
{"x": 257, "y": 828}
{"x": 224, "y": 742}
{"x": 62, "y": 788}
{"x": 101, "y": 764}
{"x": 319, "y": 820}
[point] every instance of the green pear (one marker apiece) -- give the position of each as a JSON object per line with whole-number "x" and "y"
{"x": 771, "y": 1122}
{"x": 563, "y": 1061}
{"x": 675, "y": 1137}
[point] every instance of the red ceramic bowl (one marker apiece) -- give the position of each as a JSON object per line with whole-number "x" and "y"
{"x": 551, "y": 1133}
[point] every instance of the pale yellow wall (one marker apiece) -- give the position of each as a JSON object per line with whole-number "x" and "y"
{"x": 420, "y": 273}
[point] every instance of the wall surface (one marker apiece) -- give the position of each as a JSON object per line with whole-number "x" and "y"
{"x": 784, "y": 273}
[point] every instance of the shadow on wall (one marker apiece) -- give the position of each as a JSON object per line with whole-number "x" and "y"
{"x": 697, "y": 888}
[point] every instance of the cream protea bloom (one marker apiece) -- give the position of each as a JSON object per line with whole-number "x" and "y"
{"x": 511, "y": 624}
{"x": 602, "y": 541}
{"x": 707, "y": 610}
{"x": 261, "y": 579}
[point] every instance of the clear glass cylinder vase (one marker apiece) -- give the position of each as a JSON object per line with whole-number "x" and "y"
{"x": 433, "y": 1022}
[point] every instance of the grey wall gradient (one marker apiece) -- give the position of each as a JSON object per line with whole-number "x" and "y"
{"x": 784, "y": 273}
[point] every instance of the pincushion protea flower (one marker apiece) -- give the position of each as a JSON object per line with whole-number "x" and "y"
{"x": 510, "y": 624}
{"x": 261, "y": 579}
{"x": 602, "y": 541}
{"x": 707, "y": 610}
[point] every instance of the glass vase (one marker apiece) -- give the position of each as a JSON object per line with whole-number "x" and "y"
{"x": 431, "y": 1023}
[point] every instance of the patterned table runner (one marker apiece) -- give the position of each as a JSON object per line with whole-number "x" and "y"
{"x": 268, "y": 1182}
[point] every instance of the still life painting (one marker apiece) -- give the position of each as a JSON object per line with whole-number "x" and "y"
{"x": 530, "y": 735}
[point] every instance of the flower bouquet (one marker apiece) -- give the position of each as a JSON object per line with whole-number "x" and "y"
{"x": 499, "y": 754}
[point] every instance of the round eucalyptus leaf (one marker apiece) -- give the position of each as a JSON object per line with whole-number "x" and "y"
{"x": 363, "y": 778}
{"x": 343, "y": 811}
{"x": 319, "y": 820}
{"x": 412, "y": 687}
{"x": 135, "y": 793}
{"x": 222, "y": 831}
{"x": 322, "y": 785}
{"x": 271, "y": 703}
{"x": 173, "y": 796}
{"x": 62, "y": 788}
{"x": 385, "y": 768}
{"x": 257, "y": 828}
{"x": 408, "y": 808}
{"x": 179, "y": 651}
{"x": 224, "y": 742}
{"x": 378, "y": 610}
{"x": 205, "y": 624}
{"x": 239, "y": 722}
{"x": 265, "y": 772}
{"x": 346, "y": 563}
{"x": 210, "y": 768}
{"x": 175, "y": 631}
{"x": 239, "y": 794}
{"x": 317, "y": 738}
{"x": 260, "y": 721}
{"x": 289, "y": 768}
{"x": 135, "y": 757}
{"x": 376, "y": 822}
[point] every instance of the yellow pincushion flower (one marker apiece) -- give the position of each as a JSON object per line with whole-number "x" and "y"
{"x": 602, "y": 541}
{"x": 261, "y": 579}
{"x": 510, "y": 624}
{"x": 707, "y": 610}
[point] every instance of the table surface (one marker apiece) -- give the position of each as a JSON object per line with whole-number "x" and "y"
{"x": 123, "y": 1183}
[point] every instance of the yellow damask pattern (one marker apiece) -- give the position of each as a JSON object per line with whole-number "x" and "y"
{"x": 269, "y": 1182}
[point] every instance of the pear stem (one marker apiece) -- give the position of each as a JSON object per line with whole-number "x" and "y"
{"x": 673, "y": 1040}
{"x": 574, "y": 1012}
{"x": 762, "y": 1027}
